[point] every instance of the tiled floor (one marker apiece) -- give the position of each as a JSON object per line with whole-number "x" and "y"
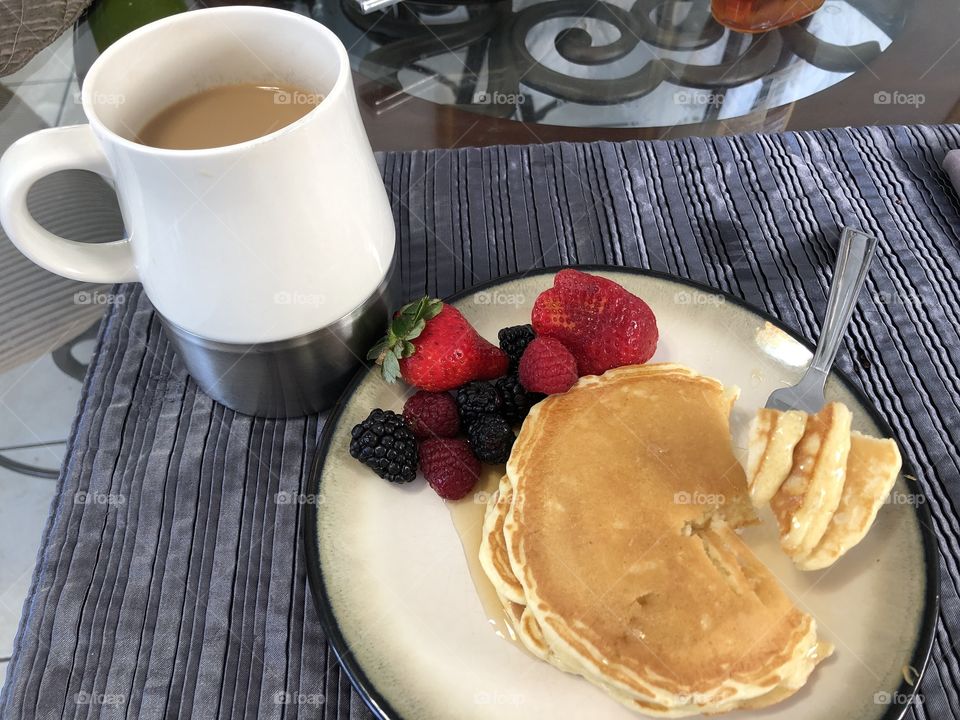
{"x": 37, "y": 400}
{"x": 46, "y": 82}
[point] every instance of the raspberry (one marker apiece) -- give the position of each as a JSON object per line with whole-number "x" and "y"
{"x": 432, "y": 415}
{"x": 384, "y": 443}
{"x": 547, "y": 367}
{"x": 491, "y": 439}
{"x": 516, "y": 400}
{"x": 449, "y": 467}
{"x": 475, "y": 399}
{"x": 514, "y": 340}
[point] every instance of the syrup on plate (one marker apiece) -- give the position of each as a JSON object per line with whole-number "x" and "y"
{"x": 467, "y": 515}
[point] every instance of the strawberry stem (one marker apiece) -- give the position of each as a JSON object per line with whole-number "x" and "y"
{"x": 407, "y": 324}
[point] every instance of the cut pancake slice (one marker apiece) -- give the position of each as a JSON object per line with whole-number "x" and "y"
{"x": 806, "y": 501}
{"x": 827, "y": 489}
{"x": 872, "y": 469}
{"x": 620, "y": 534}
{"x": 773, "y": 438}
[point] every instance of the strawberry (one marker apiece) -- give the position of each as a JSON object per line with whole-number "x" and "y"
{"x": 493, "y": 361}
{"x": 433, "y": 347}
{"x": 602, "y": 324}
{"x": 547, "y": 367}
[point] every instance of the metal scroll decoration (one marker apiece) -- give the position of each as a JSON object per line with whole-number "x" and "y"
{"x": 495, "y": 36}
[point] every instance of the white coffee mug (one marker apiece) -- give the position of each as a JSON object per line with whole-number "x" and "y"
{"x": 258, "y": 242}
{"x": 253, "y": 242}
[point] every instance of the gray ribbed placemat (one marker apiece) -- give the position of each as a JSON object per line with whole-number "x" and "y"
{"x": 178, "y": 587}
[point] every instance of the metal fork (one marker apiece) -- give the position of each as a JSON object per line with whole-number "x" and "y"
{"x": 853, "y": 260}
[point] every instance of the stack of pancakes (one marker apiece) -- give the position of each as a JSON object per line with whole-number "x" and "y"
{"x": 824, "y": 483}
{"x": 611, "y": 543}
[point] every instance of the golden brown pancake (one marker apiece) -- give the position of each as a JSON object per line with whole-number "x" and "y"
{"x": 807, "y": 499}
{"x": 496, "y": 566}
{"x": 625, "y": 492}
{"x": 773, "y": 437}
{"x": 493, "y": 550}
{"x": 872, "y": 469}
{"x": 528, "y": 630}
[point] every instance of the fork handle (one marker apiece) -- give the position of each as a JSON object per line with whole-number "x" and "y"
{"x": 853, "y": 260}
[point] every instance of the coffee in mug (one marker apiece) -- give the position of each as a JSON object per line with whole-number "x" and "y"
{"x": 226, "y": 115}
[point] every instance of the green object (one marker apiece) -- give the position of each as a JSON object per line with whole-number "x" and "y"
{"x": 406, "y": 325}
{"x": 110, "y": 20}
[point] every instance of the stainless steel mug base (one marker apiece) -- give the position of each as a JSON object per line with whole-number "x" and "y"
{"x": 287, "y": 378}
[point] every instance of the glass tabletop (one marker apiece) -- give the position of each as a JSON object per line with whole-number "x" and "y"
{"x": 433, "y": 74}
{"x": 625, "y": 64}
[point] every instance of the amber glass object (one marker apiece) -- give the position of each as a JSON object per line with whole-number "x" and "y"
{"x": 752, "y": 16}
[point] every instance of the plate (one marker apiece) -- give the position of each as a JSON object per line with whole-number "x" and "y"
{"x": 394, "y": 592}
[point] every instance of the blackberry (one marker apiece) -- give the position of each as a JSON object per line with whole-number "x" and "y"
{"x": 490, "y": 438}
{"x": 514, "y": 340}
{"x": 475, "y": 399}
{"x": 516, "y": 401}
{"x": 385, "y": 443}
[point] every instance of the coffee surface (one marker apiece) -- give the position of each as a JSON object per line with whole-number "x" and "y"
{"x": 226, "y": 115}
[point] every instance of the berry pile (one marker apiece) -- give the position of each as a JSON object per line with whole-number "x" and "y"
{"x": 583, "y": 325}
{"x": 426, "y": 434}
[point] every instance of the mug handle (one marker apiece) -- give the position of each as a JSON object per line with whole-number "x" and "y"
{"x": 33, "y": 157}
